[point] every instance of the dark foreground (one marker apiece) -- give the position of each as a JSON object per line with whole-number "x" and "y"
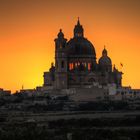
{"x": 82, "y": 125}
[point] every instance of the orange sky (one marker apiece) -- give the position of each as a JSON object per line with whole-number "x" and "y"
{"x": 28, "y": 29}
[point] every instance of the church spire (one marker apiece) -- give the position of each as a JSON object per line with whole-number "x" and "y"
{"x": 78, "y": 30}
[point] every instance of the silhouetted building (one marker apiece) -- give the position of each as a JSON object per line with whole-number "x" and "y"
{"x": 76, "y": 65}
{"x": 4, "y": 92}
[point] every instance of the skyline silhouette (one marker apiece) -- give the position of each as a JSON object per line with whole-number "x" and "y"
{"x": 28, "y": 30}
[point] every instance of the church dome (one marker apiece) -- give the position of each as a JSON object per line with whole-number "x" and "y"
{"x": 80, "y": 46}
{"x": 105, "y": 60}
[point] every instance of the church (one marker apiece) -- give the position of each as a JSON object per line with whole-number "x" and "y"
{"x": 76, "y": 65}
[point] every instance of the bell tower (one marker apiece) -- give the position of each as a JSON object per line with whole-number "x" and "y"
{"x": 60, "y": 61}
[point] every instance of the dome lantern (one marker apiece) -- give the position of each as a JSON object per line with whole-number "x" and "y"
{"x": 60, "y": 34}
{"x": 104, "y": 52}
{"x": 78, "y": 30}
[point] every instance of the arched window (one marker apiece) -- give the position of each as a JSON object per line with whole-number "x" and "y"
{"x": 91, "y": 80}
{"x": 71, "y": 66}
{"x": 89, "y": 66}
{"x": 78, "y": 63}
{"x": 75, "y": 64}
{"x": 62, "y": 64}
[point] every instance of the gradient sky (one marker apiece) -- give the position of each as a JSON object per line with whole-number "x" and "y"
{"x": 28, "y": 29}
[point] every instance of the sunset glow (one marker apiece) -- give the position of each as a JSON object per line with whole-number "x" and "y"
{"x": 28, "y": 29}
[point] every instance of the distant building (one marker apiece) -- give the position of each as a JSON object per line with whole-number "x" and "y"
{"x": 128, "y": 92}
{"x": 4, "y": 92}
{"x": 76, "y": 65}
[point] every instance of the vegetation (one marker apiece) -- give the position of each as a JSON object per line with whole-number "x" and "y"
{"x": 81, "y": 129}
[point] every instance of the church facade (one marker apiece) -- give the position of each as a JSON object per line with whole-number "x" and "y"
{"x": 76, "y": 65}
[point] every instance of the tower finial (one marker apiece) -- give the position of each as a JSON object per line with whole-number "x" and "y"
{"x": 78, "y": 22}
